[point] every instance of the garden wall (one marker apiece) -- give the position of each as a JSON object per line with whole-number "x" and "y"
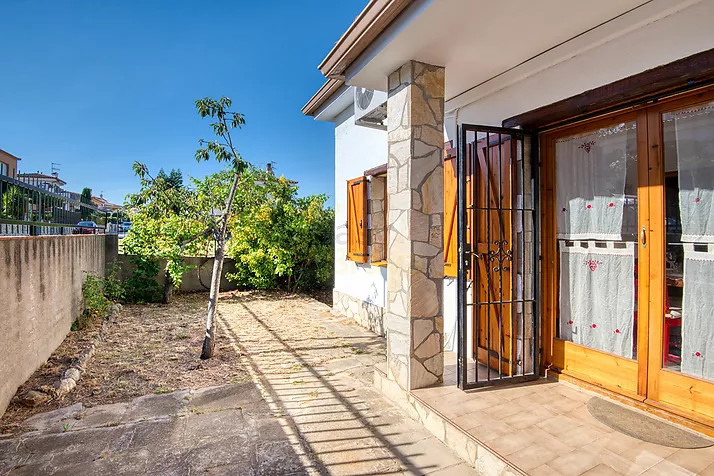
{"x": 40, "y": 297}
{"x": 196, "y": 279}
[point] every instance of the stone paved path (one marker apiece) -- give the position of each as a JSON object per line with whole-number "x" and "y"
{"x": 310, "y": 409}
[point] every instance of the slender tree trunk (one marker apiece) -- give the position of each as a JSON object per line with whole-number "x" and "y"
{"x": 209, "y": 342}
{"x": 168, "y": 288}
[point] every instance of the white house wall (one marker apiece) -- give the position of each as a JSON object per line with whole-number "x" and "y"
{"x": 673, "y": 37}
{"x": 357, "y": 149}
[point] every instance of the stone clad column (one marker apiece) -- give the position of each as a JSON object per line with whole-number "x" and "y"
{"x": 415, "y": 256}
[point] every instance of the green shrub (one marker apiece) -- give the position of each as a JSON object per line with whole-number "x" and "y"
{"x": 113, "y": 286}
{"x": 96, "y": 305}
{"x": 141, "y": 287}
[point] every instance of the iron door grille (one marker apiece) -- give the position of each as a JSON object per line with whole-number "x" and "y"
{"x": 498, "y": 262}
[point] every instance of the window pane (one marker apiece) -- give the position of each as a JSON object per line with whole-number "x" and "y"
{"x": 688, "y": 333}
{"x": 596, "y": 200}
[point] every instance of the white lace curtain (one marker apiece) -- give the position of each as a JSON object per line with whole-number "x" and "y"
{"x": 698, "y": 306}
{"x": 591, "y": 170}
{"x": 597, "y": 297}
{"x": 694, "y": 132}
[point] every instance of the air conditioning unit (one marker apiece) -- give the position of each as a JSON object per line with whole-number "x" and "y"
{"x": 370, "y": 108}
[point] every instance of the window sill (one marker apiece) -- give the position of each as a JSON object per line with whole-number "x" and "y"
{"x": 382, "y": 264}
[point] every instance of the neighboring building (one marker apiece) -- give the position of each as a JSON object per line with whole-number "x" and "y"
{"x": 51, "y": 182}
{"x": 582, "y": 209}
{"x": 104, "y": 205}
{"x": 8, "y": 164}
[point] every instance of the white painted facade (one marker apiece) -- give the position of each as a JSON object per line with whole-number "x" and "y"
{"x": 357, "y": 149}
{"x": 658, "y": 33}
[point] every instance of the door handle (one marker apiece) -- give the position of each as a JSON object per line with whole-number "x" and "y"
{"x": 643, "y": 237}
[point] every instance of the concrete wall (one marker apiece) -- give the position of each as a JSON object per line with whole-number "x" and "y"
{"x": 197, "y": 279}
{"x": 40, "y": 297}
{"x": 357, "y": 149}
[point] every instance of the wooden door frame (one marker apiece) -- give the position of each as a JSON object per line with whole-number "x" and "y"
{"x": 673, "y": 391}
{"x": 617, "y": 374}
{"x": 679, "y": 395}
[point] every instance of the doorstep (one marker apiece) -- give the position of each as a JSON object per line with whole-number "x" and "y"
{"x": 541, "y": 427}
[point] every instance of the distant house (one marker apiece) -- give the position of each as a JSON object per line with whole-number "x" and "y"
{"x": 8, "y": 164}
{"x": 105, "y": 205}
{"x": 50, "y": 182}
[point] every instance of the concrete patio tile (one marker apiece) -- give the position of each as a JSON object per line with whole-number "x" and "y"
{"x": 667, "y": 468}
{"x": 582, "y": 435}
{"x": 601, "y": 470}
{"x": 544, "y": 470}
{"x": 646, "y": 454}
{"x": 692, "y": 460}
{"x": 511, "y": 442}
{"x": 616, "y": 442}
{"x": 522, "y": 419}
{"x": 532, "y": 456}
{"x": 503, "y": 410}
{"x": 554, "y": 443}
{"x": 559, "y": 424}
{"x": 575, "y": 463}
{"x": 622, "y": 465}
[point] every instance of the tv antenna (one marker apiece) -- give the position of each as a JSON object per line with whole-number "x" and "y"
{"x": 55, "y": 167}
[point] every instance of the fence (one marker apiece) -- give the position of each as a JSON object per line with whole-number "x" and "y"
{"x": 31, "y": 207}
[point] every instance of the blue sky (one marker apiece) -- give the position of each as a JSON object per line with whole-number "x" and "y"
{"x": 96, "y": 85}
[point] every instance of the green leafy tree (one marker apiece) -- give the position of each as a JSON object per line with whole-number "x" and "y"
{"x": 280, "y": 240}
{"x": 167, "y": 224}
{"x": 86, "y": 197}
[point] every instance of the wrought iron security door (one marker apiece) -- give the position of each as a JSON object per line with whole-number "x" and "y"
{"x": 497, "y": 266}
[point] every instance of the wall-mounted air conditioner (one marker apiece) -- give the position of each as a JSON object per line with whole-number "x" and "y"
{"x": 370, "y": 108}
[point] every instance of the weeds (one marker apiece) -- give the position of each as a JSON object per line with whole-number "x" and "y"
{"x": 96, "y": 305}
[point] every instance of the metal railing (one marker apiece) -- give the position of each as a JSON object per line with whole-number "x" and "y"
{"x": 32, "y": 207}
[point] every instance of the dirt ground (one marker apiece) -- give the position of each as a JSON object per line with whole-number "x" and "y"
{"x": 152, "y": 349}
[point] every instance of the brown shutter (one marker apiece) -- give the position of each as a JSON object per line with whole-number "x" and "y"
{"x": 450, "y": 197}
{"x": 357, "y": 220}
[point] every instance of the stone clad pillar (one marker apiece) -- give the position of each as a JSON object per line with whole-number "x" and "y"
{"x": 415, "y": 256}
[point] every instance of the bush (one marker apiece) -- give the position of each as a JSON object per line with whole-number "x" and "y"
{"x": 113, "y": 286}
{"x": 283, "y": 241}
{"x": 96, "y": 304}
{"x": 141, "y": 287}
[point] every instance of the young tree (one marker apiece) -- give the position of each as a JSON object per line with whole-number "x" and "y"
{"x": 224, "y": 151}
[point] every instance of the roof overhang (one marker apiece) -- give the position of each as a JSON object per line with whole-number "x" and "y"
{"x": 483, "y": 45}
{"x": 329, "y": 89}
{"x": 368, "y": 25}
{"x": 9, "y": 154}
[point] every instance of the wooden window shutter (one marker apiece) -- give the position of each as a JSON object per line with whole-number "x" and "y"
{"x": 450, "y": 214}
{"x": 357, "y": 220}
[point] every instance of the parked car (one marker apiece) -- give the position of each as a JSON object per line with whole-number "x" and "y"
{"x": 125, "y": 226}
{"x": 85, "y": 228}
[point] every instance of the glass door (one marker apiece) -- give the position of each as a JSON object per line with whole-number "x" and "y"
{"x": 596, "y": 224}
{"x": 681, "y": 357}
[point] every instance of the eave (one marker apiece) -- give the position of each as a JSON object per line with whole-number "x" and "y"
{"x": 368, "y": 25}
{"x": 322, "y": 95}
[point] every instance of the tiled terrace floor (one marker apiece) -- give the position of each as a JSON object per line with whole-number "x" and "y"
{"x": 545, "y": 428}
